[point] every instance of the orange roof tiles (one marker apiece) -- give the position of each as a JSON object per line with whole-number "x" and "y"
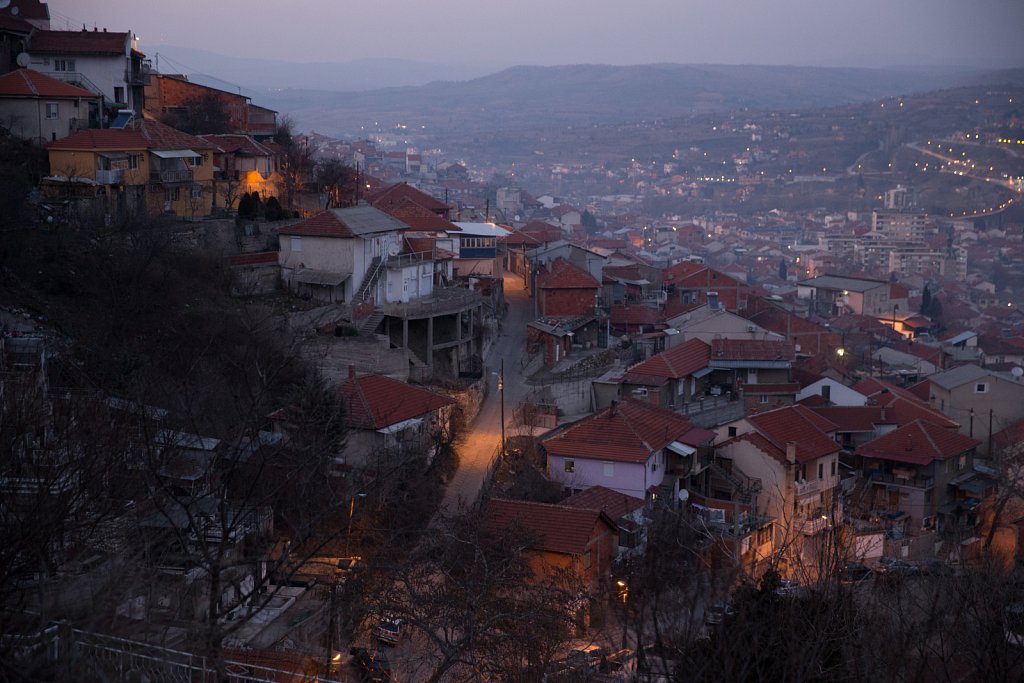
{"x": 562, "y": 274}
{"x": 751, "y": 349}
{"x": 79, "y": 42}
{"x": 626, "y": 432}
{"x": 31, "y": 83}
{"x": 918, "y": 443}
{"x": 557, "y": 528}
{"x": 376, "y": 401}
{"x": 100, "y": 139}
{"x": 614, "y": 504}
{"x": 389, "y": 197}
{"x": 800, "y": 425}
{"x": 675, "y": 363}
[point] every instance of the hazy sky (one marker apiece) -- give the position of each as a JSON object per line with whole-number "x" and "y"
{"x": 803, "y": 32}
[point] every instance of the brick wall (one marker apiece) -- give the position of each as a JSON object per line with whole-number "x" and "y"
{"x": 567, "y": 302}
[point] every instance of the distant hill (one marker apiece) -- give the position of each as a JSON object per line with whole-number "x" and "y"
{"x": 581, "y": 95}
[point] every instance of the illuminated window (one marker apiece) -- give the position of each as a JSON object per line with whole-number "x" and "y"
{"x": 570, "y": 465}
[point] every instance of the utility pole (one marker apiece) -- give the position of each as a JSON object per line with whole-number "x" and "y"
{"x": 501, "y": 393}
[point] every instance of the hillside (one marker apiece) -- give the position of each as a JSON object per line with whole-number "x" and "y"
{"x": 580, "y": 95}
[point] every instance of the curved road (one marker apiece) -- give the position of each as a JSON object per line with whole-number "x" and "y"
{"x": 480, "y": 445}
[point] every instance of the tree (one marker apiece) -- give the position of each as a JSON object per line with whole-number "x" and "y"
{"x": 248, "y": 206}
{"x": 337, "y": 181}
{"x": 201, "y": 115}
{"x": 588, "y": 221}
{"x": 783, "y": 270}
{"x": 926, "y": 301}
{"x": 274, "y": 211}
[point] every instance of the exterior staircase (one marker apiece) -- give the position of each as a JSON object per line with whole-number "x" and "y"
{"x": 370, "y": 323}
{"x": 746, "y": 488}
{"x": 370, "y": 281}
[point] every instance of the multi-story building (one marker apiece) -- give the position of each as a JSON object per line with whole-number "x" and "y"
{"x": 906, "y": 226}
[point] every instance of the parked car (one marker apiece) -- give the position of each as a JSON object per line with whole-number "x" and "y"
{"x": 373, "y": 665}
{"x": 853, "y": 572}
{"x": 388, "y": 630}
{"x": 717, "y": 612}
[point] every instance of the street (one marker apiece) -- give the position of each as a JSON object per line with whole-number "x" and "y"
{"x": 478, "y": 447}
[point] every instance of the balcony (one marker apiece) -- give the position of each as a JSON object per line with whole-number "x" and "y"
{"x": 134, "y": 77}
{"x": 111, "y": 176}
{"x": 171, "y": 177}
{"x": 803, "y": 487}
{"x": 910, "y": 482}
{"x": 814, "y": 525}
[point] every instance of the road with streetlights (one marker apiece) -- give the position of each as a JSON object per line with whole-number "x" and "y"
{"x": 478, "y": 448}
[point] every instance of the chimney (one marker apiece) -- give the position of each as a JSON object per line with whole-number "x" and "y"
{"x": 351, "y": 371}
{"x": 791, "y": 452}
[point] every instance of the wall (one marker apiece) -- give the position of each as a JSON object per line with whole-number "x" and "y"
{"x": 633, "y": 479}
{"x": 1004, "y": 398}
{"x": 567, "y": 302}
{"x": 319, "y": 253}
{"x": 105, "y": 71}
{"x": 27, "y": 118}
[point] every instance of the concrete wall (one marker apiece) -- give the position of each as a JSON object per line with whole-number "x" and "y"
{"x": 27, "y": 118}
{"x": 632, "y": 479}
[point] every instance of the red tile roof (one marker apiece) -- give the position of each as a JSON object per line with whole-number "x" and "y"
{"x": 251, "y": 259}
{"x": 636, "y": 315}
{"x": 235, "y": 144}
{"x": 626, "y": 432}
{"x": 79, "y": 43}
{"x": 389, "y": 197}
{"x": 675, "y": 363}
{"x": 918, "y": 443}
{"x": 31, "y": 83}
{"x": 751, "y": 349}
{"x": 614, "y": 504}
{"x": 556, "y": 528}
{"x": 324, "y": 224}
{"x": 102, "y": 139}
{"x": 800, "y": 425}
{"x": 520, "y": 238}
{"x": 420, "y": 217}
{"x": 1012, "y": 436}
{"x": 562, "y": 274}
{"x": 376, "y": 401}
{"x": 162, "y": 136}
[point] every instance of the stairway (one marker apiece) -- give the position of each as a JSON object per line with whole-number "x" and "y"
{"x": 369, "y": 324}
{"x": 745, "y": 487}
{"x": 370, "y": 281}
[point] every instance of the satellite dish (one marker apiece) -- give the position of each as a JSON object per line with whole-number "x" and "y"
{"x": 4, "y": 4}
{"x": 683, "y": 495}
{"x": 394, "y": 248}
{"x": 1017, "y": 372}
{"x": 22, "y": 57}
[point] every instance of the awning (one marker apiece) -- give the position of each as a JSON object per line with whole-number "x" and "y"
{"x": 703, "y": 372}
{"x": 400, "y": 426}
{"x": 681, "y": 448}
{"x": 325, "y": 278}
{"x": 175, "y": 153}
{"x": 114, "y": 155}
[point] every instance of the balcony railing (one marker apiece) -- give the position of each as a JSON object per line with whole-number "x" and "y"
{"x": 804, "y": 487}
{"x": 814, "y": 525}
{"x": 134, "y": 77}
{"x": 403, "y": 260}
{"x": 109, "y": 176}
{"x": 912, "y": 482}
{"x": 170, "y": 177}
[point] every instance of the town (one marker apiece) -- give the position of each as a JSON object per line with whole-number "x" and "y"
{"x": 277, "y": 405}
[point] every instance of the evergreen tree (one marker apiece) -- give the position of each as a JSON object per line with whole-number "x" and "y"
{"x": 926, "y": 300}
{"x": 783, "y": 270}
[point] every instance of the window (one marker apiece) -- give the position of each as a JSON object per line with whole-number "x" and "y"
{"x": 570, "y": 465}
{"x": 51, "y": 110}
{"x": 821, "y": 470}
{"x": 63, "y": 65}
{"x": 133, "y": 161}
{"x": 119, "y": 94}
{"x": 586, "y": 560}
{"x": 197, "y": 191}
{"x": 732, "y": 431}
{"x": 609, "y": 469}
{"x": 654, "y": 466}
{"x": 296, "y": 244}
{"x": 833, "y": 468}
{"x": 981, "y": 388}
{"x": 172, "y": 194}
{"x": 764, "y": 398}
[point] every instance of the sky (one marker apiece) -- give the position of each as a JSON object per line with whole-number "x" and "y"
{"x": 983, "y": 33}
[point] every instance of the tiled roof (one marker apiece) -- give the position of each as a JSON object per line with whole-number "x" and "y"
{"x": 629, "y": 431}
{"x": 682, "y": 270}
{"x": 263, "y": 257}
{"x": 918, "y": 443}
{"x": 1011, "y": 436}
{"x": 101, "y": 139}
{"x": 565, "y": 275}
{"x": 518, "y": 237}
{"x": 347, "y": 222}
{"x": 636, "y": 315}
{"x": 162, "y": 136}
{"x": 376, "y": 401}
{"x": 78, "y": 42}
{"x": 31, "y": 83}
{"x": 677, "y": 362}
{"x": 872, "y": 387}
{"x": 614, "y": 504}
{"x": 800, "y": 425}
{"x": 854, "y": 418}
{"x": 556, "y": 528}
{"x": 420, "y": 217}
{"x": 238, "y": 144}
{"x": 751, "y": 349}
{"x": 390, "y": 197}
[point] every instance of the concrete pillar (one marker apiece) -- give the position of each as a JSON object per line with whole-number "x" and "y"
{"x": 429, "y": 360}
{"x": 405, "y": 333}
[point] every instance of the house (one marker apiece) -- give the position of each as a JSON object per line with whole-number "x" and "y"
{"x": 579, "y": 540}
{"x": 557, "y": 338}
{"x": 174, "y": 94}
{"x": 477, "y": 248}
{"x": 806, "y": 336}
{"x": 791, "y": 454}
{"x": 145, "y": 166}
{"x": 536, "y": 259}
{"x": 694, "y": 283}
{"x": 392, "y": 197}
{"x": 833, "y": 392}
{"x": 626, "y": 511}
{"x": 760, "y": 368}
{"x": 711, "y": 321}
{"x": 566, "y": 290}
{"x": 908, "y": 472}
{"x": 630, "y": 447}
{"x": 106, "y": 63}
{"x": 340, "y": 255}
{"x": 37, "y": 107}
{"x": 243, "y": 165}
{"x": 833, "y": 295}
{"x": 390, "y": 420}
{"x": 980, "y": 400}
{"x": 670, "y": 378}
